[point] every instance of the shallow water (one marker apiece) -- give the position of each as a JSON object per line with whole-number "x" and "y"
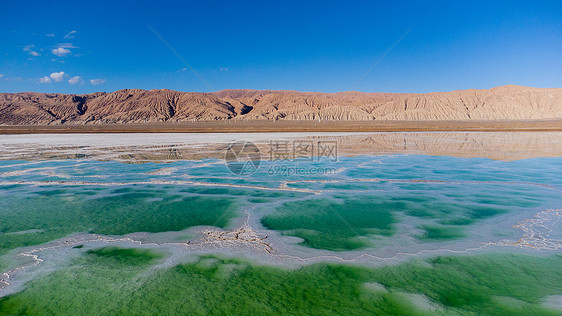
{"x": 172, "y": 210}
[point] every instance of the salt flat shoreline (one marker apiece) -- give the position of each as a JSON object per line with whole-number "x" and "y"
{"x": 258, "y": 126}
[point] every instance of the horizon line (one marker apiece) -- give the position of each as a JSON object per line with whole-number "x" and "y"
{"x": 284, "y": 90}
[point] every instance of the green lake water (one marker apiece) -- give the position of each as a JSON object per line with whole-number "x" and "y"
{"x": 383, "y": 234}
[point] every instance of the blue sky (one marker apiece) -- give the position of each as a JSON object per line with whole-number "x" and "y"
{"x": 88, "y": 46}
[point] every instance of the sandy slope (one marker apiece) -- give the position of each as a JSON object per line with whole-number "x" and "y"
{"x": 141, "y": 106}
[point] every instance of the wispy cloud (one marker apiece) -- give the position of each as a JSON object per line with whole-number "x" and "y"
{"x": 223, "y": 69}
{"x": 45, "y": 79}
{"x": 31, "y": 50}
{"x": 1, "y": 75}
{"x": 66, "y": 45}
{"x": 50, "y": 35}
{"x": 75, "y": 80}
{"x": 61, "y": 52}
{"x": 57, "y": 76}
{"x": 70, "y": 34}
{"x": 96, "y": 82}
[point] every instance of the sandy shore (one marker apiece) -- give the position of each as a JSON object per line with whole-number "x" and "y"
{"x": 239, "y": 126}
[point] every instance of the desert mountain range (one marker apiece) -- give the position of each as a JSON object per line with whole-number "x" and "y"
{"x": 142, "y": 106}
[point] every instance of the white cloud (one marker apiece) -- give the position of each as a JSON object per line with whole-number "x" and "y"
{"x": 45, "y": 79}
{"x": 65, "y": 45}
{"x": 30, "y": 50}
{"x": 57, "y": 76}
{"x": 61, "y": 52}
{"x": 96, "y": 82}
{"x": 69, "y": 35}
{"x": 224, "y": 69}
{"x": 50, "y": 35}
{"x": 1, "y": 75}
{"x": 75, "y": 80}
{"x": 62, "y": 49}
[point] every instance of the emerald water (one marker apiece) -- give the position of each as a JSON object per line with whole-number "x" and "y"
{"x": 446, "y": 223}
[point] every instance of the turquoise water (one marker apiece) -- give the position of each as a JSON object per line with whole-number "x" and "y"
{"x": 48, "y": 213}
{"x": 370, "y": 207}
{"x": 360, "y": 201}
